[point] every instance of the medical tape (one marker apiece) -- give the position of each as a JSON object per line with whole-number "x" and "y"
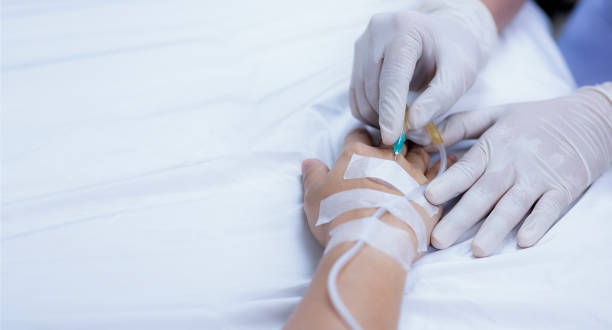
{"x": 390, "y": 173}
{"x": 387, "y": 171}
{"x": 344, "y": 201}
{"x": 390, "y": 240}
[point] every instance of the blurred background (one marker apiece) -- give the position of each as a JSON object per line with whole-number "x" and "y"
{"x": 583, "y": 30}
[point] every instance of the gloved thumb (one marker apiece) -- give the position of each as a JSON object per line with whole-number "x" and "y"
{"x": 467, "y": 125}
{"x": 395, "y": 76}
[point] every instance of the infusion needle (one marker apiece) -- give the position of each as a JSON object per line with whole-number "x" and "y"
{"x": 397, "y": 146}
{"x": 433, "y": 133}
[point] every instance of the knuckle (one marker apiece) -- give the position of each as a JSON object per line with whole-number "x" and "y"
{"x": 402, "y": 20}
{"x": 377, "y": 20}
{"x": 484, "y": 146}
{"x": 480, "y": 190}
{"x": 518, "y": 199}
{"x": 464, "y": 169}
{"x": 410, "y": 37}
{"x": 356, "y": 148}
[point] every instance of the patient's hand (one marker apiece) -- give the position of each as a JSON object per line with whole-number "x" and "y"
{"x": 320, "y": 182}
{"x": 372, "y": 284}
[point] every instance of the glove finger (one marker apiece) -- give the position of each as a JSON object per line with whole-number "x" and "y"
{"x": 467, "y": 125}
{"x": 365, "y": 109}
{"x": 442, "y": 93}
{"x": 371, "y": 80}
{"x": 459, "y": 177}
{"x": 397, "y": 69}
{"x": 472, "y": 207}
{"x": 355, "y": 107}
{"x": 353, "y": 103}
{"x": 356, "y": 77}
{"x": 421, "y": 136}
{"x": 544, "y": 215}
{"x": 433, "y": 171}
{"x": 505, "y": 216}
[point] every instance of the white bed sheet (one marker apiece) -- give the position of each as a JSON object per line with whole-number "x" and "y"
{"x": 151, "y": 170}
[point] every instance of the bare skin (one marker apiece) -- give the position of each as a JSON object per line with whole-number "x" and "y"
{"x": 503, "y": 11}
{"x": 372, "y": 283}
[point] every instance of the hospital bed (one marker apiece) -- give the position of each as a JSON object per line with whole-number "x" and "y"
{"x": 151, "y": 158}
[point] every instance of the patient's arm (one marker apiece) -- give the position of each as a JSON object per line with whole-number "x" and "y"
{"x": 371, "y": 284}
{"x": 503, "y": 11}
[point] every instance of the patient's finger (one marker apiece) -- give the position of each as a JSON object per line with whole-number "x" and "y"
{"x": 418, "y": 158}
{"x": 359, "y": 135}
{"x": 314, "y": 173}
{"x": 433, "y": 171}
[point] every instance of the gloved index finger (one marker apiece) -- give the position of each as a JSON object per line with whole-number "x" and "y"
{"x": 397, "y": 70}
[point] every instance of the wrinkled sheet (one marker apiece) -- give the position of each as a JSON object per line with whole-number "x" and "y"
{"x": 151, "y": 158}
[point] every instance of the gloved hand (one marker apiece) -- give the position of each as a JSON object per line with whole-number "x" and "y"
{"x": 437, "y": 49}
{"x": 544, "y": 153}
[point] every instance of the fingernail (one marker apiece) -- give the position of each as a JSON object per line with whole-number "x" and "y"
{"x": 478, "y": 251}
{"x": 439, "y": 238}
{"x": 430, "y": 192}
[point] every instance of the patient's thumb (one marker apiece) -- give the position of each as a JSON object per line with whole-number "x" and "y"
{"x": 314, "y": 171}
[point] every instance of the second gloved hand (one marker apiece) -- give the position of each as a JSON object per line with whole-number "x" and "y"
{"x": 436, "y": 50}
{"x": 544, "y": 153}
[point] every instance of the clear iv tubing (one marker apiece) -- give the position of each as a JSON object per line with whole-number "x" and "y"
{"x": 334, "y": 295}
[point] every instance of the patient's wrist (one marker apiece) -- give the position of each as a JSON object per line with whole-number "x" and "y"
{"x": 371, "y": 285}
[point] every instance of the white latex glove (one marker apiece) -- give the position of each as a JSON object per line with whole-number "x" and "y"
{"x": 437, "y": 49}
{"x": 544, "y": 153}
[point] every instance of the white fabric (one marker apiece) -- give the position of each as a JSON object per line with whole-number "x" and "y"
{"x": 151, "y": 171}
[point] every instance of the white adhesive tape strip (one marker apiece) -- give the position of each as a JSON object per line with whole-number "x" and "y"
{"x": 399, "y": 206}
{"x": 392, "y": 241}
{"x": 387, "y": 171}
{"x": 390, "y": 173}
{"x": 344, "y": 201}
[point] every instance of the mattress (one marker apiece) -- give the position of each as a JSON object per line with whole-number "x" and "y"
{"x": 151, "y": 156}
